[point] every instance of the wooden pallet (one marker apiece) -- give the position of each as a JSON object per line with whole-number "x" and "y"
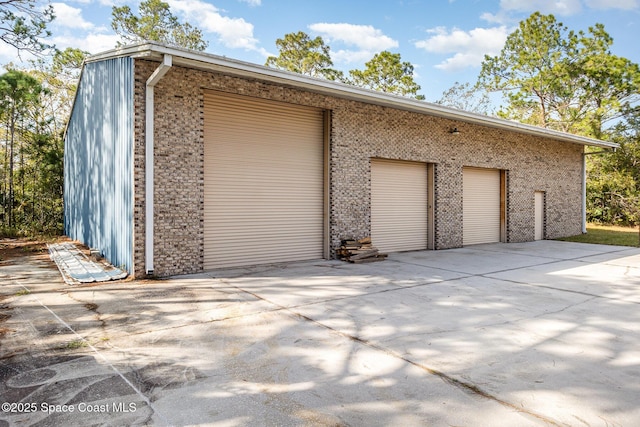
{"x": 359, "y": 251}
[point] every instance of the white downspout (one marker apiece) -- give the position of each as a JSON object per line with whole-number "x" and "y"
{"x": 149, "y": 151}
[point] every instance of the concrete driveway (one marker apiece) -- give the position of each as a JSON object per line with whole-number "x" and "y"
{"x": 542, "y": 333}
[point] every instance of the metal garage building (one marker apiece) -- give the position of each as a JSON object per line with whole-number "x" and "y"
{"x": 179, "y": 161}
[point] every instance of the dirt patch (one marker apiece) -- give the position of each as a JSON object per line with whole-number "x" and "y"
{"x": 14, "y": 249}
{"x": 4, "y": 317}
{"x": 91, "y": 306}
{"x": 11, "y": 249}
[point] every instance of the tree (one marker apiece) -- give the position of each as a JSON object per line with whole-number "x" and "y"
{"x": 23, "y": 24}
{"x": 31, "y": 176}
{"x": 155, "y": 23}
{"x": 607, "y": 86}
{"x": 570, "y": 81}
{"x": 385, "y": 72}
{"x": 559, "y": 79}
{"x": 42, "y": 207}
{"x": 59, "y": 75}
{"x": 465, "y": 97}
{"x": 529, "y": 69}
{"x": 19, "y": 93}
{"x": 613, "y": 188}
{"x": 301, "y": 54}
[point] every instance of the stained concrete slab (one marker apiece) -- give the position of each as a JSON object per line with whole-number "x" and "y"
{"x": 541, "y": 333}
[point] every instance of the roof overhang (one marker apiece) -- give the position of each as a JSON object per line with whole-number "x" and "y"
{"x": 209, "y": 62}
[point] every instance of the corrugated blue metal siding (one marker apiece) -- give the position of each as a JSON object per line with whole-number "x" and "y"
{"x": 98, "y": 161}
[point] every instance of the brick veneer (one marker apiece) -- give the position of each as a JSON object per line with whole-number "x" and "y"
{"x": 358, "y": 132}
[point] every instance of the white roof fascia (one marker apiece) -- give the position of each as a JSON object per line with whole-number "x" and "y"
{"x": 207, "y": 61}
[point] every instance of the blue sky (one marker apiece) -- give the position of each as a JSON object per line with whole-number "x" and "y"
{"x": 445, "y": 40}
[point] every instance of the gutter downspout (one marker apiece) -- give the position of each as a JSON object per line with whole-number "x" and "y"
{"x": 158, "y": 74}
{"x": 584, "y": 185}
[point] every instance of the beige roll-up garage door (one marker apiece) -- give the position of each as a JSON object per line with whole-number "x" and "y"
{"x": 398, "y": 205}
{"x": 481, "y": 206}
{"x": 263, "y": 181}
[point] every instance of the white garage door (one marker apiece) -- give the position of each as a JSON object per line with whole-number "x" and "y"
{"x": 481, "y": 206}
{"x": 398, "y": 205}
{"x": 263, "y": 181}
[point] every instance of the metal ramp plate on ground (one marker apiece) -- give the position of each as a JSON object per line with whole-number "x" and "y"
{"x": 76, "y": 267}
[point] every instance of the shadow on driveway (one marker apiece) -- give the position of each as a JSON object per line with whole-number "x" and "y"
{"x": 541, "y": 333}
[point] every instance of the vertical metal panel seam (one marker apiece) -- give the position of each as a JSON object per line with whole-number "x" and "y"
{"x": 98, "y": 161}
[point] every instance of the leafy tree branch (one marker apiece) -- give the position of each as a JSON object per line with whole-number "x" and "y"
{"x": 23, "y": 25}
{"x": 155, "y": 22}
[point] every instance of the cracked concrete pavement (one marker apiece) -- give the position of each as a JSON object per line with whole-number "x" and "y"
{"x": 540, "y": 333}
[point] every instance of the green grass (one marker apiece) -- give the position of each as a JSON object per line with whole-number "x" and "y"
{"x": 607, "y": 235}
{"x": 76, "y": 344}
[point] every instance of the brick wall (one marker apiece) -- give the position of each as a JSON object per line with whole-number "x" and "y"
{"x": 358, "y": 133}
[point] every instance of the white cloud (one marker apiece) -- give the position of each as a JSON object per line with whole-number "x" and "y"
{"x": 506, "y": 15}
{"x": 252, "y": 2}
{"x": 468, "y": 47}
{"x": 499, "y": 18}
{"x": 231, "y": 32}
{"x": 93, "y": 43}
{"x": 558, "y": 7}
{"x": 460, "y": 61}
{"x": 111, "y": 3}
{"x": 346, "y": 56}
{"x": 614, "y": 4}
{"x": 361, "y": 41}
{"x": 71, "y": 17}
{"x": 9, "y": 54}
{"x": 364, "y": 37}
